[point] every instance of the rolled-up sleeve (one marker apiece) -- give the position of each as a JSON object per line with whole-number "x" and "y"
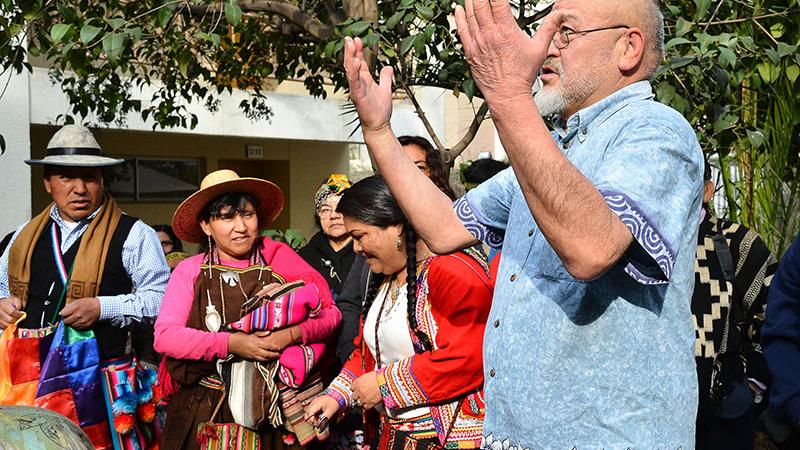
{"x": 144, "y": 262}
{"x": 484, "y": 211}
{"x": 651, "y": 182}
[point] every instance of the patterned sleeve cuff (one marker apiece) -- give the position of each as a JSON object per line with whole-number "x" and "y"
{"x": 399, "y": 387}
{"x": 490, "y": 236}
{"x": 339, "y": 389}
{"x": 652, "y": 260}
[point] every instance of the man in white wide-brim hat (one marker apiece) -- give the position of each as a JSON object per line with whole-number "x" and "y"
{"x": 82, "y": 260}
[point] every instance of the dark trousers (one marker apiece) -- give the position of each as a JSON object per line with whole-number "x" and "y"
{"x": 726, "y": 434}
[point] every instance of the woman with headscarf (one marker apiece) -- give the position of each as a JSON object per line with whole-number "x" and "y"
{"x": 417, "y": 367}
{"x": 208, "y": 291}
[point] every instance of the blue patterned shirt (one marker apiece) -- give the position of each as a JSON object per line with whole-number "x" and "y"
{"x": 607, "y": 363}
{"x": 142, "y": 258}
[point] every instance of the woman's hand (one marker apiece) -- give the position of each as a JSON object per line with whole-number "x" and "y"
{"x": 321, "y": 408}
{"x": 255, "y": 347}
{"x": 373, "y": 101}
{"x": 366, "y": 391}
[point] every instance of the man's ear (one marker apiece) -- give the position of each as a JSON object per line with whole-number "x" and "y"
{"x": 633, "y": 54}
{"x": 47, "y": 185}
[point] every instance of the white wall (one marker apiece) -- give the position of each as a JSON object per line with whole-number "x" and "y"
{"x": 15, "y": 175}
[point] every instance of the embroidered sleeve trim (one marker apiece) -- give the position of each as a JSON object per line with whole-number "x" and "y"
{"x": 339, "y": 389}
{"x": 488, "y": 235}
{"x": 399, "y": 387}
{"x": 648, "y": 238}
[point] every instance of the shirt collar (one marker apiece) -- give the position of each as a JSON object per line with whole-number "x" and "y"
{"x": 596, "y": 114}
{"x": 56, "y": 216}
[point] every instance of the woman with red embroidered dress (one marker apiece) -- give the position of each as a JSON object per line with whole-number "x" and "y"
{"x": 417, "y": 367}
{"x": 207, "y": 292}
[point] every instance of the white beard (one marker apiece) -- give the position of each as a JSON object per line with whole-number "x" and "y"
{"x": 550, "y": 102}
{"x": 572, "y": 91}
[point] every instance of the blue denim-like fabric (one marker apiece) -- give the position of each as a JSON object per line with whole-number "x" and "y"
{"x": 608, "y": 363}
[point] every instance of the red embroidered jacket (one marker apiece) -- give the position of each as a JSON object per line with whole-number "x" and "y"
{"x": 454, "y": 295}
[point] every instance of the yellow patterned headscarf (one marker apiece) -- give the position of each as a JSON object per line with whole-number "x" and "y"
{"x": 335, "y": 185}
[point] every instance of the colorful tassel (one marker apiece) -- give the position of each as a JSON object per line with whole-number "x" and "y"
{"x": 123, "y": 424}
{"x": 146, "y": 412}
{"x": 289, "y": 439}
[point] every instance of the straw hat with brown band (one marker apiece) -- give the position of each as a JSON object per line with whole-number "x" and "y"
{"x": 269, "y": 196}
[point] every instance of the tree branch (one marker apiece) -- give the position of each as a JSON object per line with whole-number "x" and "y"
{"x": 525, "y": 22}
{"x": 450, "y": 155}
{"x": 402, "y": 80}
{"x": 292, "y": 13}
{"x": 747, "y": 19}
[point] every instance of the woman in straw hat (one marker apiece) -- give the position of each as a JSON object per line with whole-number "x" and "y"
{"x": 207, "y": 291}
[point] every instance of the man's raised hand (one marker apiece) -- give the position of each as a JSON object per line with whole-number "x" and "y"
{"x": 502, "y": 58}
{"x": 373, "y": 101}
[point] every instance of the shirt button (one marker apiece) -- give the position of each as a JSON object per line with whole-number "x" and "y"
{"x": 497, "y": 323}
{"x": 514, "y": 277}
{"x": 584, "y": 130}
{"x": 491, "y": 373}
{"x": 566, "y": 145}
{"x": 530, "y": 233}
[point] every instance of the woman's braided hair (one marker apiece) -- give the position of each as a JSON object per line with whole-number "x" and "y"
{"x": 369, "y": 201}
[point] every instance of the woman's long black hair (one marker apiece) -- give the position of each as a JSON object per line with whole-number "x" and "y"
{"x": 369, "y": 201}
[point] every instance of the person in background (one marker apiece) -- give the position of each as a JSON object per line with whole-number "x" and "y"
{"x": 82, "y": 260}
{"x": 330, "y": 250}
{"x": 780, "y": 337}
{"x": 416, "y": 372}
{"x": 732, "y": 276}
{"x": 481, "y": 170}
{"x": 172, "y": 246}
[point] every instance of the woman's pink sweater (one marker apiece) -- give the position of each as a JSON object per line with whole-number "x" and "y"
{"x": 174, "y": 339}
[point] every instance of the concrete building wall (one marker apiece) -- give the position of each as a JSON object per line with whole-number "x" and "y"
{"x": 15, "y": 187}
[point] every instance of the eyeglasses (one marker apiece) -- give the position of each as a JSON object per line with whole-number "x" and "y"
{"x": 562, "y": 36}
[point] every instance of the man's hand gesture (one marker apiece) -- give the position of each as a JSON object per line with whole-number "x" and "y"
{"x": 502, "y": 58}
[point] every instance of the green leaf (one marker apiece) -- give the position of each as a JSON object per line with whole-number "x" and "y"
{"x": 89, "y": 32}
{"x": 370, "y": 40}
{"x": 116, "y": 23}
{"x": 785, "y": 49}
{"x": 233, "y": 14}
{"x": 727, "y": 55}
{"x": 357, "y": 29}
{"x": 113, "y": 44}
{"x": 164, "y": 15}
{"x": 680, "y": 61}
{"x": 756, "y": 138}
{"x": 419, "y": 45}
{"x": 58, "y": 32}
{"x": 406, "y": 44}
{"x": 777, "y": 29}
{"x": 702, "y": 9}
{"x": 134, "y": 33}
{"x": 675, "y": 41}
{"x": 768, "y": 72}
{"x": 394, "y": 19}
{"x": 725, "y": 122}
{"x": 329, "y": 48}
{"x": 792, "y": 72}
{"x": 424, "y": 12}
{"x": 682, "y": 26}
{"x": 468, "y": 88}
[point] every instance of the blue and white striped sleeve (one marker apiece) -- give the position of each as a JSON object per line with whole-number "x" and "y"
{"x": 146, "y": 265}
{"x": 484, "y": 211}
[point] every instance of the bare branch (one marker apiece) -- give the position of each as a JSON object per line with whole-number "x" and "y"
{"x": 525, "y": 22}
{"x": 407, "y": 89}
{"x": 450, "y": 155}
